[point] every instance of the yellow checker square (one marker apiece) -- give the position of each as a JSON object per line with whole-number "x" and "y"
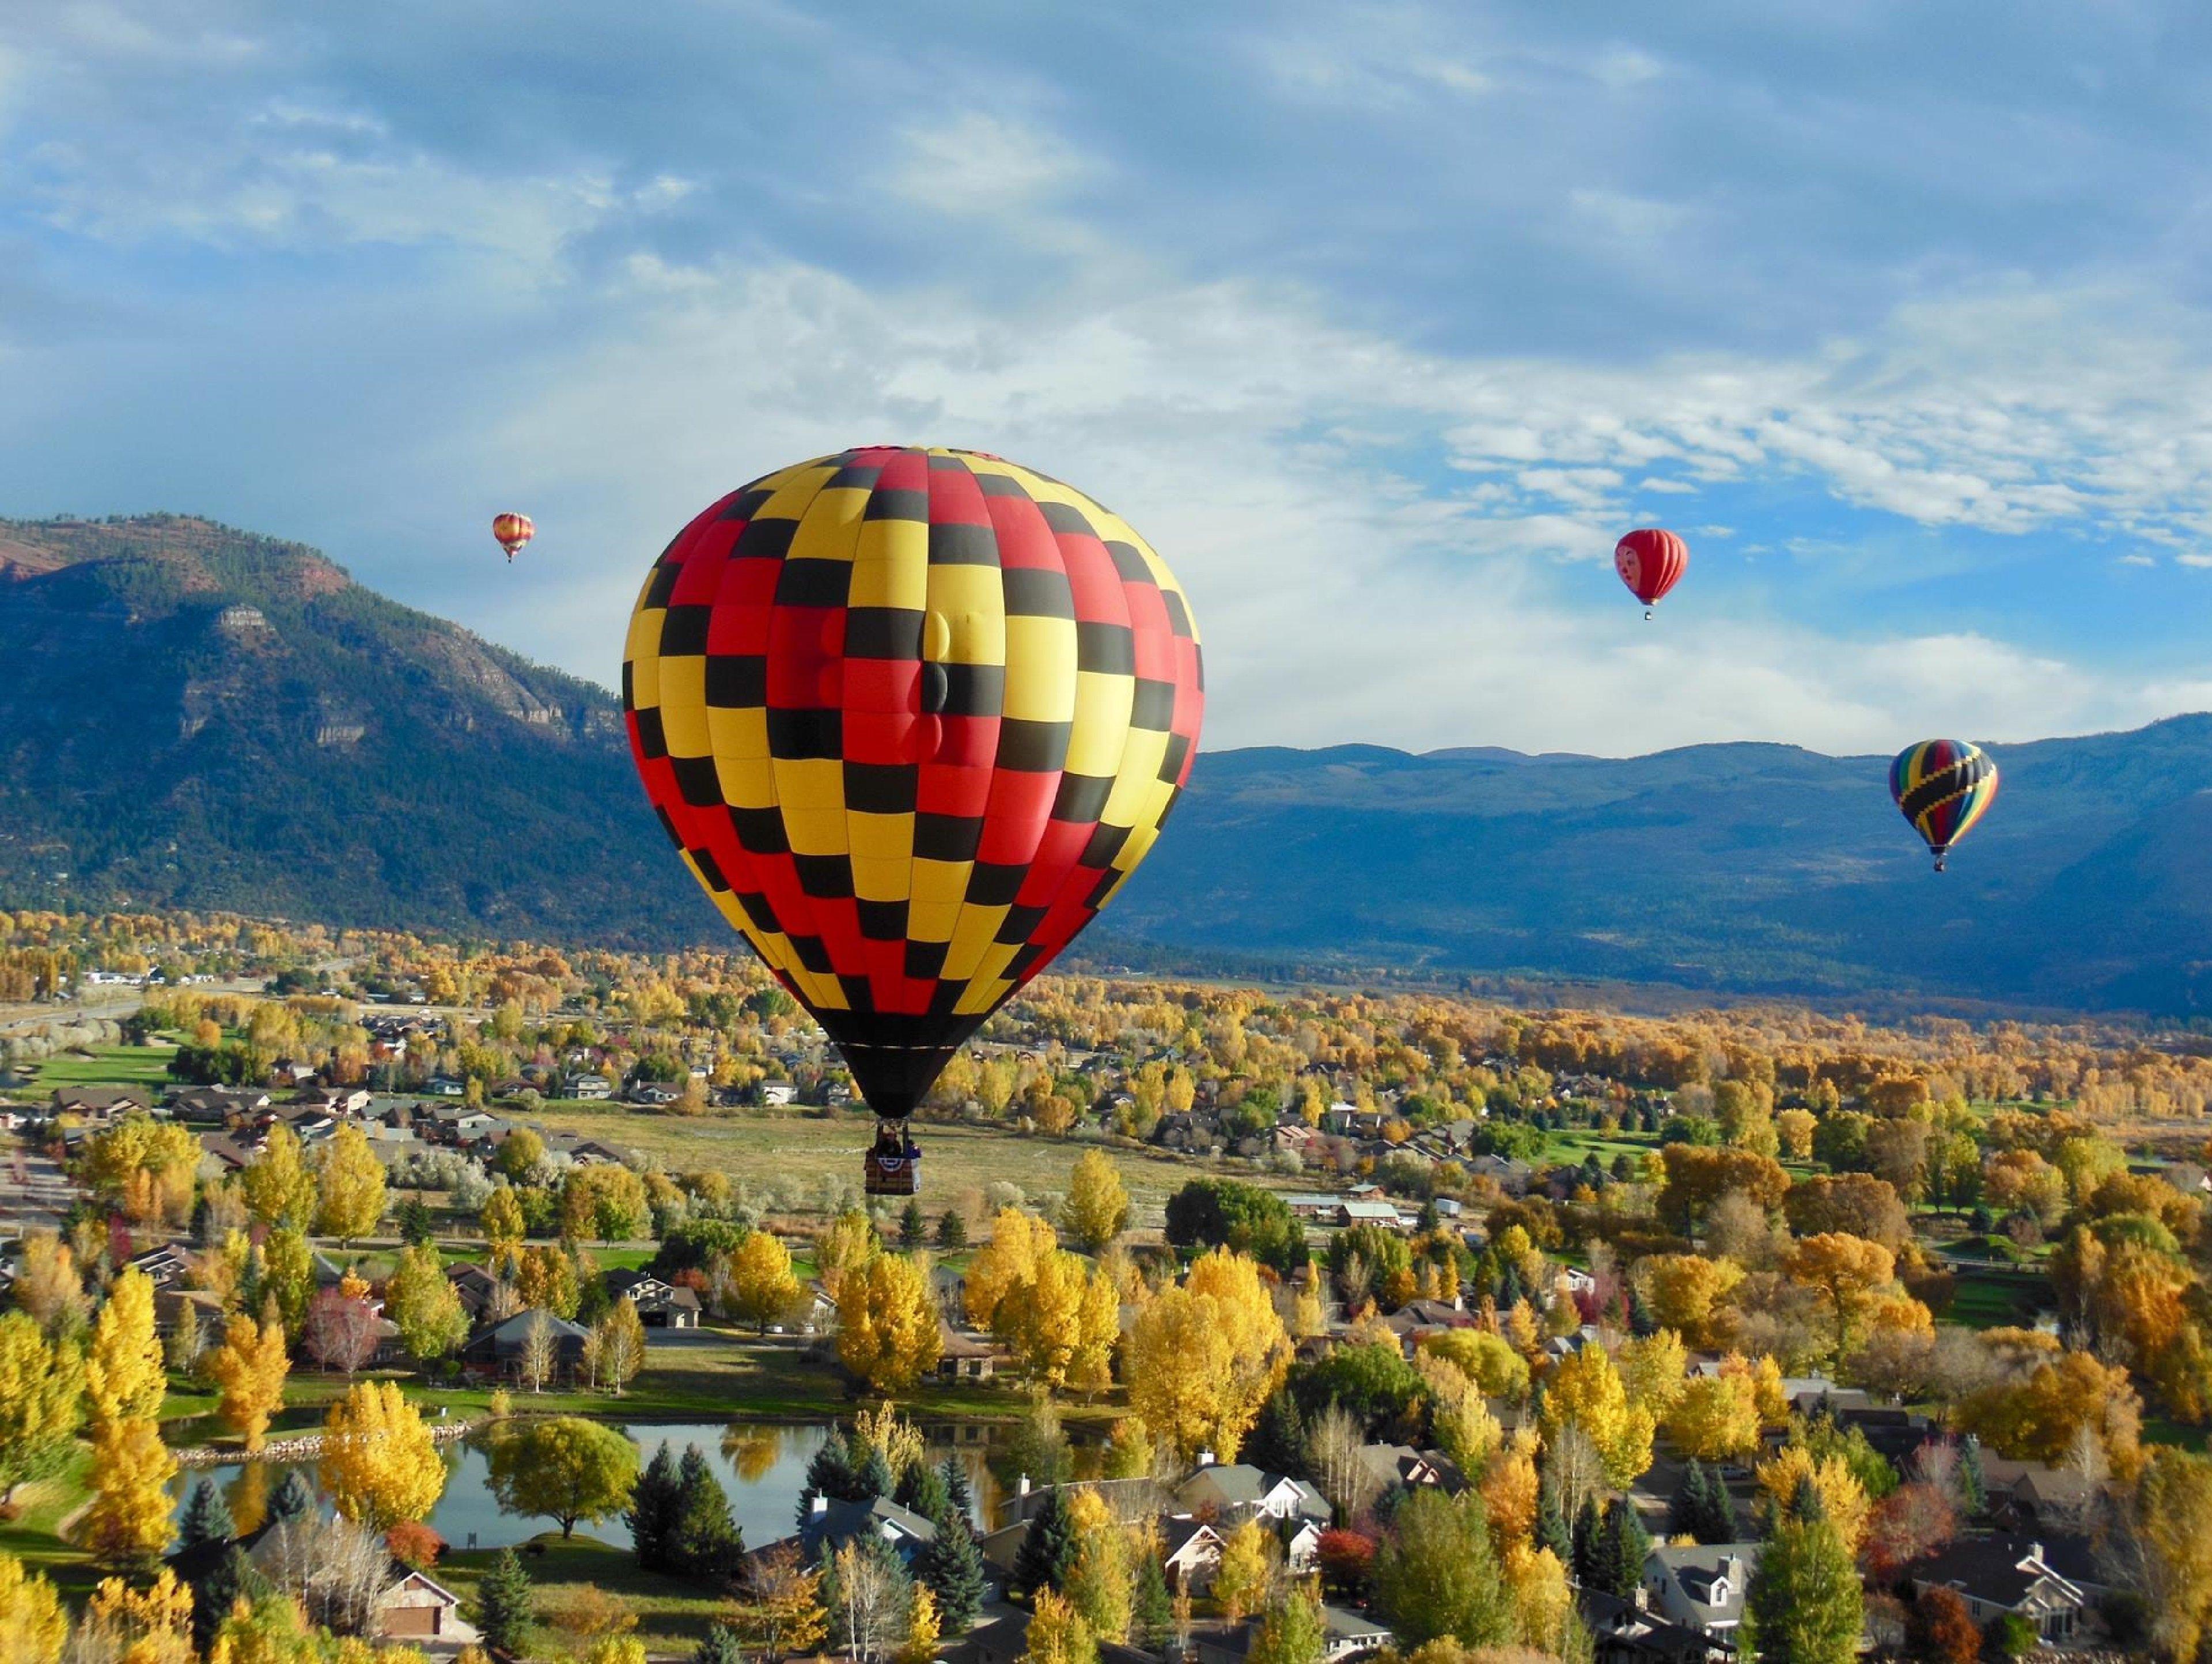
{"x": 1040, "y": 669}
{"x": 738, "y": 733}
{"x": 831, "y": 527}
{"x": 891, "y": 565}
{"x": 972, "y": 940}
{"x": 747, "y": 783}
{"x": 941, "y": 881}
{"x": 1140, "y": 768}
{"x": 880, "y": 880}
{"x": 811, "y": 783}
{"x": 932, "y": 921}
{"x": 882, "y": 837}
{"x": 642, "y": 645}
{"x": 814, "y": 832}
{"x": 981, "y": 996}
{"x": 789, "y": 499}
{"x": 1103, "y": 700}
{"x": 971, "y": 599}
{"x": 684, "y": 705}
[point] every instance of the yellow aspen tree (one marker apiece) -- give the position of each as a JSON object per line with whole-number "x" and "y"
{"x": 1241, "y": 1580}
{"x": 850, "y": 1243}
{"x": 888, "y": 1332}
{"x": 1654, "y": 1370}
{"x": 280, "y": 1192}
{"x": 1842, "y": 1497}
{"x": 41, "y": 1401}
{"x": 127, "y": 1523}
{"x": 349, "y": 1186}
{"x": 1203, "y": 1358}
{"x": 1101, "y": 1582}
{"x": 1510, "y": 1490}
{"x": 248, "y": 1369}
{"x": 1017, "y": 1241}
{"x": 922, "y": 1628}
{"x": 124, "y": 1375}
{"x": 1057, "y": 1633}
{"x": 761, "y": 1286}
{"x": 1098, "y": 1327}
{"x": 1715, "y": 1417}
{"x": 1097, "y": 1203}
{"x": 1039, "y": 1318}
{"x": 33, "y": 1625}
{"x": 1586, "y": 1390}
{"x": 379, "y": 1463}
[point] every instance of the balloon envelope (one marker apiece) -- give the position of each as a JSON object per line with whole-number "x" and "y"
{"x": 1942, "y": 786}
{"x": 513, "y": 531}
{"x": 1651, "y": 561}
{"x": 911, "y": 716}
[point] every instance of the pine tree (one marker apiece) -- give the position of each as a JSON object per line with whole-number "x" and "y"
{"x": 506, "y": 1606}
{"x": 958, "y": 1497}
{"x": 231, "y": 1578}
{"x": 1805, "y": 1605}
{"x": 1973, "y": 1484}
{"x": 952, "y": 1565}
{"x": 1588, "y": 1527}
{"x": 294, "y": 1498}
{"x": 1046, "y": 1547}
{"x": 828, "y": 1473}
{"x": 705, "y": 1542}
{"x": 1552, "y": 1531}
{"x": 951, "y": 1231}
{"x": 723, "y": 1645}
{"x": 922, "y": 1488}
{"x": 1641, "y": 1323}
{"x": 872, "y": 1477}
{"x": 914, "y": 1226}
{"x": 416, "y": 1227}
{"x": 1277, "y": 1443}
{"x": 206, "y": 1517}
{"x": 653, "y": 1513}
{"x": 1622, "y": 1548}
{"x": 1152, "y": 1607}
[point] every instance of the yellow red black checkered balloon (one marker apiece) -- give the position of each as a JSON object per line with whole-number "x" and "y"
{"x": 912, "y": 716}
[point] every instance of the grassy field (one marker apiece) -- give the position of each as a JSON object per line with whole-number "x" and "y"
{"x": 108, "y": 1065}
{"x": 959, "y": 1162}
{"x": 672, "y": 1615}
{"x": 1996, "y": 1299}
{"x": 32, "y": 1536}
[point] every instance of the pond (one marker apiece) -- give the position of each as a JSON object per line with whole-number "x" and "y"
{"x": 761, "y": 1466}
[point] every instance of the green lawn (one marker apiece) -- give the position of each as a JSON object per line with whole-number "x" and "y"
{"x": 1996, "y": 1299}
{"x": 672, "y": 1615}
{"x": 32, "y": 1537}
{"x": 108, "y": 1065}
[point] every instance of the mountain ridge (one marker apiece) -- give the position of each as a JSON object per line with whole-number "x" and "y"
{"x": 201, "y": 718}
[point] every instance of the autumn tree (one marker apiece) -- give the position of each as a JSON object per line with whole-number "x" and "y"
{"x": 1684, "y": 1291}
{"x": 1715, "y": 1419}
{"x": 1586, "y": 1391}
{"x": 1203, "y": 1357}
{"x": 1805, "y": 1604}
{"x": 2039, "y": 1417}
{"x": 33, "y": 1623}
{"x": 614, "y": 1351}
{"x": 2171, "y": 1515}
{"x": 1100, "y": 1581}
{"x": 1018, "y": 1240}
{"x": 761, "y": 1288}
{"x": 127, "y": 1521}
{"x": 502, "y": 1225}
{"x": 1246, "y": 1569}
{"x": 850, "y": 1243}
{"x": 340, "y": 1332}
{"x": 279, "y": 1190}
{"x": 1097, "y": 1205}
{"x": 41, "y": 1401}
{"x": 424, "y": 1306}
{"x": 888, "y": 1332}
{"x": 1696, "y": 1177}
{"x": 545, "y": 1280}
{"x": 1847, "y": 1271}
{"x": 1437, "y": 1576}
{"x": 380, "y": 1464}
{"x": 349, "y": 1186}
{"x": 782, "y": 1611}
{"x": 248, "y": 1368}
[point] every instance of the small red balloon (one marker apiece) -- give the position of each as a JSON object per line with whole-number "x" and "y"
{"x": 1651, "y": 561}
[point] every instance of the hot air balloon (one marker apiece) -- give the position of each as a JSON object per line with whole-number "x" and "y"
{"x": 911, "y": 716}
{"x": 1651, "y": 561}
{"x": 513, "y": 531}
{"x": 1943, "y": 786}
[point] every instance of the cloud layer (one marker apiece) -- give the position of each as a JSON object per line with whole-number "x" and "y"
{"x": 1381, "y": 324}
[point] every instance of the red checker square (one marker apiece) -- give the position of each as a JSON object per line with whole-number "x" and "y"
{"x": 1020, "y": 810}
{"x": 796, "y": 657}
{"x": 1056, "y": 854}
{"x": 903, "y": 469}
{"x": 879, "y": 736}
{"x": 1091, "y": 575}
{"x": 702, "y": 576}
{"x": 969, "y": 743}
{"x": 883, "y": 684}
{"x": 1024, "y": 540}
{"x": 837, "y": 921}
{"x": 961, "y": 792}
{"x": 955, "y": 499}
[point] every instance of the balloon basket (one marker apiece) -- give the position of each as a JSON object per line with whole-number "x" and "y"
{"x": 892, "y": 1175}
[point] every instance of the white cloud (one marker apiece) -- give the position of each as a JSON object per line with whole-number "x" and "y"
{"x": 982, "y": 165}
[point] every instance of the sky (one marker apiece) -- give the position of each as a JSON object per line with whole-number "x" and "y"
{"x": 1381, "y": 322}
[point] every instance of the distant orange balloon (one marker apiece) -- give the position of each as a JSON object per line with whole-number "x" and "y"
{"x": 513, "y": 531}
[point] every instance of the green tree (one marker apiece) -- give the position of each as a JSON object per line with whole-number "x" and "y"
{"x": 506, "y": 1606}
{"x": 422, "y": 1302}
{"x": 1048, "y": 1548}
{"x": 206, "y": 1518}
{"x": 951, "y": 1231}
{"x": 1293, "y": 1631}
{"x": 1437, "y": 1576}
{"x": 914, "y": 1226}
{"x": 567, "y": 1469}
{"x": 652, "y": 1516}
{"x": 1227, "y": 1213}
{"x": 1805, "y": 1605}
{"x": 952, "y": 1565}
{"x": 707, "y": 1543}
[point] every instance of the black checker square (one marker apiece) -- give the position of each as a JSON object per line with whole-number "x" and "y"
{"x": 1033, "y": 592}
{"x": 883, "y": 632}
{"x": 683, "y": 631}
{"x": 812, "y": 952}
{"x": 811, "y": 583}
{"x": 1129, "y": 562}
{"x": 880, "y": 788}
{"x": 747, "y": 504}
{"x": 993, "y": 884}
{"x": 760, "y": 832}
{"x": 859, "y": 996}
{"x": 947, "y": 836}
{"x": 963, "y": 545}
{"x": 1000, "y": 485}
{"x": 882, "y": 921}
{"x": 1018, "y": 922}
{"x": 1108, "y": 650}
{"x": 698, "y": 779}
{"x": 663, "y": 585}
{"x": 826, "y": 877}
{"x": 973, "y": 690}
{"x": 854, "y": 476}
{"x": 1172, "y": 765}
{"x": 1082, "y": 797}
{"x": 898, "y": 504}
{"x": 1066, "y": 517}
{"x": 758, "y": 911}
{"x": 736, "y": 681}
{"x": 796, "y": 736}
{"x": 1032, "y": 747}
{"x": 652, "y": 740}
{"x": 924, "y": 960}
{"x": 765, "y": 539}
{"x": 1153, "y": 706}
{"x": 1106, "y": 842}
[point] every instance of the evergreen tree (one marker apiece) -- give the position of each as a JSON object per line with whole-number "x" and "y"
{"x": 922, "y": 1488}
{"x": 1152, "y": 1606}
{"x": 958, "y": 1497}
{"x": 1552, "y": 1531}
{"x": 1973, "y": 1484}
{"x": 1641, "y": 1323}
{"x": 415, "y": 1226}
{"x": 206, "y": 1517}
{"x": 1805, "y": 1605}
{"x": 723, "y": 1645}
{"x": 1622, "y": 1547}
{"x": 705, "y": 1542}
{"x": 295, "y": 1498}
{"x": 1277, "y": 1443}
{"x": 872, "y": 1477}
{"x": 652, "y": 1516}
{"x": 219, "y": 1589}
{"x": 914, "y": 1226}
{"x": 506, "y": 1607}
{"x": 951, "y": 1231}
{"x": 1588, "y": 1527}
{"x": 952, "y": 1564}
{"x": 1700, "y": 1506}
{"x": 1510, "y": 1291}
{"x": 1047, "y": 1548}
{"x": 828, "y": 1473}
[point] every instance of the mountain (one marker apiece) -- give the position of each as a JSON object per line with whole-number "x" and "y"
{"x": 193, "y": 716}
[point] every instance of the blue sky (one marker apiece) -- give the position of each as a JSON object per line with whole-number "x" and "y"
{"x": 1381, "y": 321}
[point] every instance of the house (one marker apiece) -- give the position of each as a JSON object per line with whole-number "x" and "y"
{"x": 1346, "y": 1635}
{"x": 2029, "y": 1493}
{"x": 588, "y": 1088}
{"x": 963, "y": 1356}
{"x": 496, "y": 1351}
{"x": 1300, "y": 1546}
{"x": 445, "y": 1086}
{"x": 1312, "y": 1205}
{"x": 99, "y": 1103}
{"x": 1400, "y": 1465}
{"x": 222, "y": 1155}
{"x": 476, "y": 1286}
{"x": 1999, "y": 1576}
{"x": 779, "y": 1095}
{"x": 1231, "y": 1489}
{"x": 166, "y": 1266}
{"x": 410, "y": 1606}
{"x": 1700, "y": 1587}
{"x": 831, "y": 1525}
{"x": 1367, "y": 1213}
{"x": 1623, "y": 1632}
{"x": 661, "y": 1304}
{"x": 1190, "y": 1549}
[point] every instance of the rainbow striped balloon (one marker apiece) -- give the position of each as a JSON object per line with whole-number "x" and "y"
{"x": 1943, "y": 786}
